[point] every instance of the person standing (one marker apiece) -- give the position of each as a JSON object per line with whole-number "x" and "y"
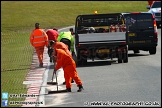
{"x": 72, "y": 31}
{"x": 68, "y": 39}
{"x": 39, "y": 39}
{"x": 66, "y": 61}
{"x": 52, "y": 36}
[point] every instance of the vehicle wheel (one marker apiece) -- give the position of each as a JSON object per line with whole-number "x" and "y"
{"x": 82, "y": 61}
{"x": 79, "y": 63}
{"x": 136, "y": 51}
{"x": 119, "y": 60}
{"x": 125, "y": 59}
{"x": 74, "y": 58}
{"x": 152, "y": 51}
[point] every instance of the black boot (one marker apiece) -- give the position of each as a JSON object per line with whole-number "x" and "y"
{"x": 68, "y": 89}
{"x": 80, "y": 88}
{"x": 64, "y": 83}
{"x": 41, "y": 65}
{"x": 51, "y": 59}
{"x": 72, "y": 81}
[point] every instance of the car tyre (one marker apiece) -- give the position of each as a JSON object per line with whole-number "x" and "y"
{"x": 152, "y": 51}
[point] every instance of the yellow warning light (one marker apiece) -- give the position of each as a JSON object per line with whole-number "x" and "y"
{"x": 95, "y": 12}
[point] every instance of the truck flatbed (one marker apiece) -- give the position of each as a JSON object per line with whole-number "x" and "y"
{"x": 102, "y": 37}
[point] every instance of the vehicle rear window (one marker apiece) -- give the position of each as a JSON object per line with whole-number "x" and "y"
{"x": 144, "y": 21}
{"x": 156, "y": 5}
{"x": 140, "y": 21}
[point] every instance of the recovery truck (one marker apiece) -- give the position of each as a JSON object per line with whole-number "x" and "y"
{"x": 94, "y": 39}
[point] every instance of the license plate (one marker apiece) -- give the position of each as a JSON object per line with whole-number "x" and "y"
{"x": 104, "y": 51}
{"x": 131, "y": 34}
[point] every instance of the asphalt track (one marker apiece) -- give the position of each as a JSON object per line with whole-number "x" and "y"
{"x": 38, "y": 85}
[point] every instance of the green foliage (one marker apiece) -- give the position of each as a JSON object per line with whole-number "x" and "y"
{"x": 19, "y": 15}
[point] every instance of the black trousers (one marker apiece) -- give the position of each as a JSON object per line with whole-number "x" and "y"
{"x": 67, "y": 42}
{"x": 50, "y": 50}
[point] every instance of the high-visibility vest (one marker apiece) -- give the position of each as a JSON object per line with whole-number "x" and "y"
{"x": 38, "y": 38}
{"x": 67, "y": 35}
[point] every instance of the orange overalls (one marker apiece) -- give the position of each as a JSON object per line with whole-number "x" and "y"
{"x": 39, "y": 39}
{"x": 68, "y": 64}
{"x": 61, "y": 45}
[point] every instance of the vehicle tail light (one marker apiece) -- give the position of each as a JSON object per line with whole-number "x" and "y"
{"x": 124, "y": 43}
{"x": 119, "y": 50}
{"x": 153, "y": 16}
{"x": 154, "y": 23}
{"x": 80, "y": 45}
{"x": 83, "y": 51}
{"x": 155, "y": 27}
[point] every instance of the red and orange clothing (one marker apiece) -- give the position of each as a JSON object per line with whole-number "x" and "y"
{"x": 68, "y": 64}
{"x": 39, "y": 39}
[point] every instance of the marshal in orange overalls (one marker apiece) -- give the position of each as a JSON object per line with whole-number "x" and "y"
{"x": 39, "y": 39}
{"x": 68, "y": 64}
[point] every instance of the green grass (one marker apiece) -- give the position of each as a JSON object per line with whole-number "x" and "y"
{"x": 18, "y": 19}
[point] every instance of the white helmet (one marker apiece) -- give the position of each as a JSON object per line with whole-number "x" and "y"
{"x": 91, "y": 29}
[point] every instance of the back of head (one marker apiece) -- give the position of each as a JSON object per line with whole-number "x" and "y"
{"x": 55, "y": 29}
{"x": 37, "y": 25}
{"x": 52, "y": 42}
{"x": 71, "y": 29}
